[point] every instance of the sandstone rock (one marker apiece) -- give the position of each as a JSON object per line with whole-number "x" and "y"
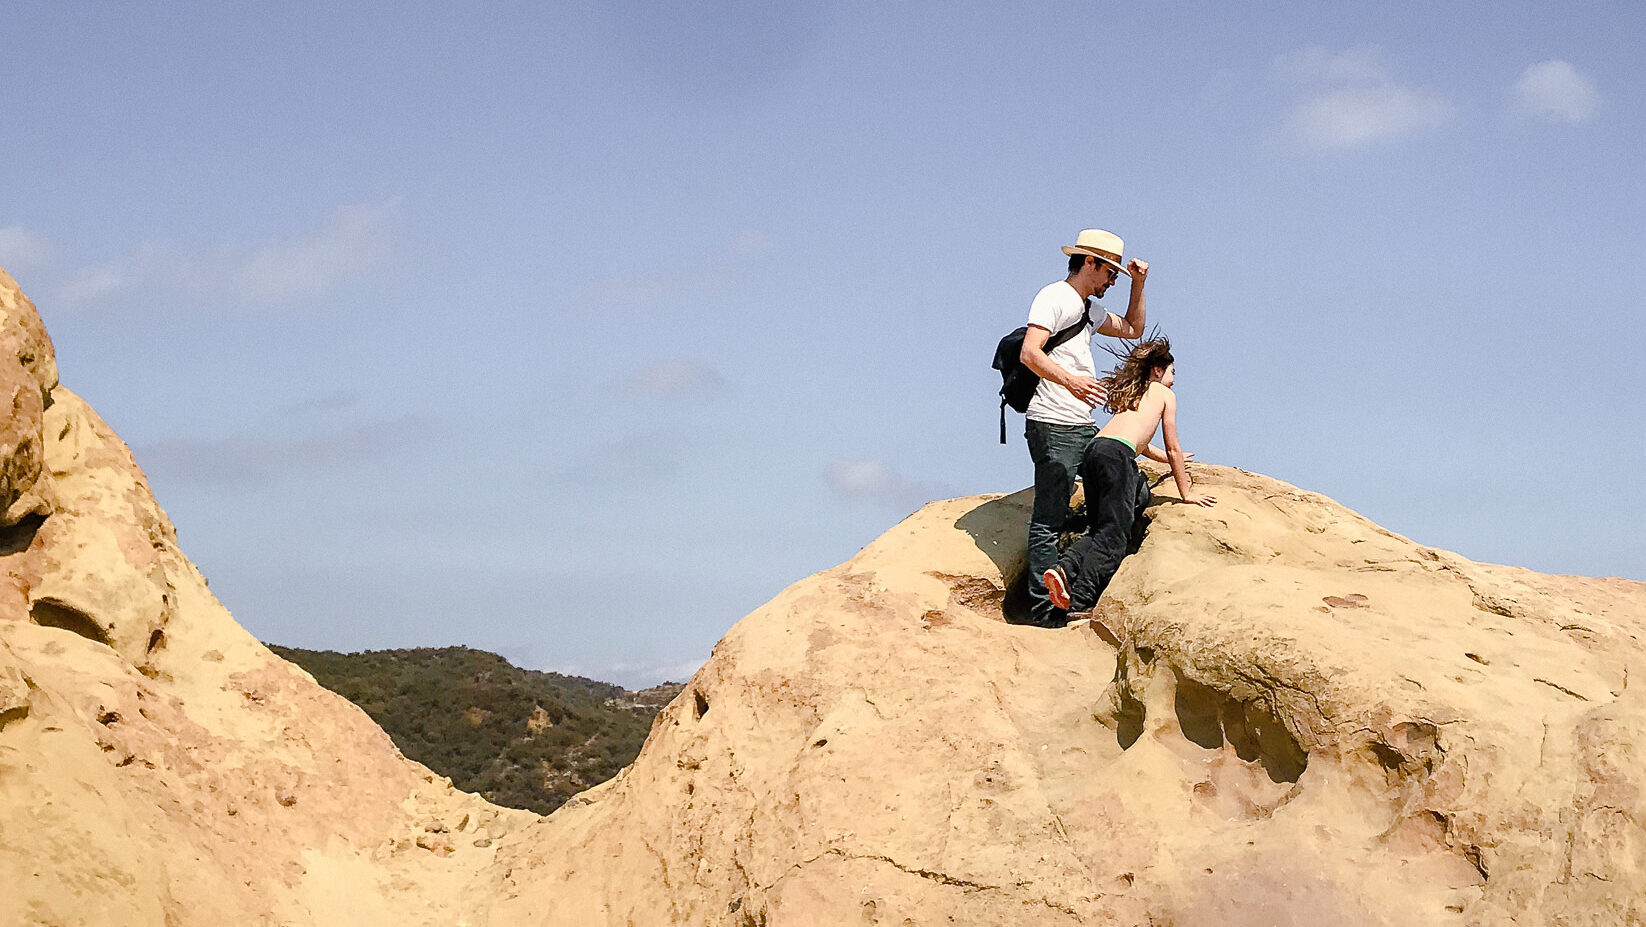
{"x": 539, "y": 720}
{"x": 159, "y": 766}
{"x": 876, "y": 746}
{"x": 14, "y": 693}
{"x": 100, "y": 565}
{"x": 28, "y": 371}
{"x": 1281, "y": 714}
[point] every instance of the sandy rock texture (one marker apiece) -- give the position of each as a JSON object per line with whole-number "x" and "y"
{"x": 1281, "y": 715}
{"x": 159, "y": 766}
{"x": 28, "y": 371}
{"x": 1285, "y": 715}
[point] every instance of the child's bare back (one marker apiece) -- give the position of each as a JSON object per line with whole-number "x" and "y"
{"x": 1150, "y": 370}
{"x": 1138, "y": 425}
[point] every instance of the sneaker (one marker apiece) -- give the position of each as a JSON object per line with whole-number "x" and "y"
{"x": 1057, "y": 586}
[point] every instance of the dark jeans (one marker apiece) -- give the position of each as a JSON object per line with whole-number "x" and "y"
{"x": 1112, "y": 482}
{"x": 1057, "y": 451}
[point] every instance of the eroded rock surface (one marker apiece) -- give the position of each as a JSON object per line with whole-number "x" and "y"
{"x": 28, "y": 371}
{"x": 159, "y": 766}
{"x": 1284, "y": 715}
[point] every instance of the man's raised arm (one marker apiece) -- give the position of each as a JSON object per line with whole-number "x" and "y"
{"x": 1136, "y": 315}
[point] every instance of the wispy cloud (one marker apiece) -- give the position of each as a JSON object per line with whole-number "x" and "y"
{"x": 1350, "y": 100}
{"x": 22, "y": 250}
{"x": 873, "y": 481}
{"x": 352, "y": 239}
{"x": 349, "y": 241}
{"x": 323, "y": 404}
{"x": 1554, "y": 89}
{"x": 629, "y": 459}
{"x": 243, "y": 460}
{"x": 677, "y": 378}
{"x": 718, "y": 269}
{"x": 630, "y": 674}
{"x": 149, "y": 264}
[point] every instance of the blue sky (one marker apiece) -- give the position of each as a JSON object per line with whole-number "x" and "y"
{"x": 576, "y": 333}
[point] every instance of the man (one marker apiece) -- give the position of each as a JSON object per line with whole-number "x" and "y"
{"x": 1060, "y": 422}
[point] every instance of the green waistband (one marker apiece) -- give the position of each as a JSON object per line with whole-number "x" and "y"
{"x": 1122, "y": 441}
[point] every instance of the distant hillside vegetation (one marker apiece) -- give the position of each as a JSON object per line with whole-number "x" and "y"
{"x": 520, "y": 738}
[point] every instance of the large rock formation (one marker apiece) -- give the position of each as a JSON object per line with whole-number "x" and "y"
{"x": 159, "y": 766}
{"x": 1284, "y": 714}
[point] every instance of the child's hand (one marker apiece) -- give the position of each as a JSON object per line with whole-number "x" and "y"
{"x": 1199, "y": 498}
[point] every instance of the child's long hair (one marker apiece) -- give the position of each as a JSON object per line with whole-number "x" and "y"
{"x": 1130, "y": 380}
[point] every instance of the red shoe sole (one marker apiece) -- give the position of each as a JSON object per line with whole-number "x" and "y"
{"x": 1055, "y": 590}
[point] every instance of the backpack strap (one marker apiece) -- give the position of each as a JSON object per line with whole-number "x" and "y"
{"x": 1067, "y": 333}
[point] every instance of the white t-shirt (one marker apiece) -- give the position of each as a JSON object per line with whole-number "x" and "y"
{"x": 1056, "y": 307}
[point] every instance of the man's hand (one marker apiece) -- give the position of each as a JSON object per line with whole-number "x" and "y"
{"x": 1199, "y": 498}
{"x": 1034, "y": 357}
{"x": 1087, "y": 390}
{"x": 1138, "y": 269}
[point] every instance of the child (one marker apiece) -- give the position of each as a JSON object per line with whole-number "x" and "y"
{"x": 1140, "y": 398}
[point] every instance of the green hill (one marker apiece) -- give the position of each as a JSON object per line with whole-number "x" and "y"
{"x": 520, "y": 738}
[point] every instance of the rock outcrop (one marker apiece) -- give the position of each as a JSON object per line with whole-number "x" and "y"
{"x": 28, "y": 371}
{"x": 1282, "y": 714}
{"x": 158, "y": 765}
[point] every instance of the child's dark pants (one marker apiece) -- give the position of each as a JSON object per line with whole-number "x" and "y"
{"x": 1111, "y": 478}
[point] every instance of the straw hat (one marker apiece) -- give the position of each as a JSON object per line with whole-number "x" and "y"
{"x": 1105, "y": 246}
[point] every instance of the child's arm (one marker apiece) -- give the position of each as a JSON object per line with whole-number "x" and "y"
{"x": 1175, "y": 455}
{"x": 1159, "y": 456}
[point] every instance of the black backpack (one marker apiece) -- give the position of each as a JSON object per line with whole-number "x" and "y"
{"x": 1019, "y": 382}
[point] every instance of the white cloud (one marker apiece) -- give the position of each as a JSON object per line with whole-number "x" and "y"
{"x": 677, "y": 377}
{"x": 1554, "y": 89}
{"x": 256, "y": 460}
{"x": 94, "y": 283}
{"x": 685, "y": 277}
{"x": 677, "y": 671}
{"x": 351, "y": 240}
{"x": 629, "y": 674}
{"x": 21, "y": 249}
{"x": 872, "y": 480}
{"x": 148, "y": 265}
{"x": 1350, "y": 100}
{"x": 621, "y": 462}
{"x": 1362, "y": 64}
